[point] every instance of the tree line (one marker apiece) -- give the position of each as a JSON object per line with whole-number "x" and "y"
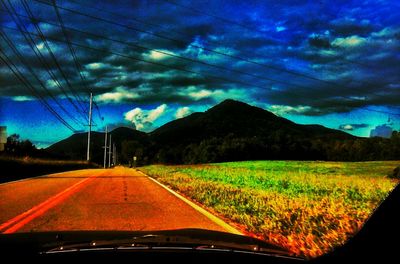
{"x": 231, "y": 148}
{"x": 17, "y": 147}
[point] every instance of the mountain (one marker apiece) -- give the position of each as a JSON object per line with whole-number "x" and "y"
{"x": 229, "y": 131}
{"x": 233, "y": 130}
{"x": 238, "y": 119}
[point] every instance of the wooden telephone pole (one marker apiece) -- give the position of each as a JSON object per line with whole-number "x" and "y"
{"x": 90, "y": 127}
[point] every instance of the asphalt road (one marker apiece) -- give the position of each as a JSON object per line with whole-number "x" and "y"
{"x": 96, "y": 199}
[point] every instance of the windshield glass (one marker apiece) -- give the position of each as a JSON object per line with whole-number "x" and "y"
{"x": 277, "y": 120}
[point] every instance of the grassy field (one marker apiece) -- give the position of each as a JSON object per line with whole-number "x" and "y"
{"x": 306, "y": 207}
{"x": 19, "y": 168}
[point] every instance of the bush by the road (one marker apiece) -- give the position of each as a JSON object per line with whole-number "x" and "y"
{"x": 395, "y": 174}
{"x": 19, "y": 168}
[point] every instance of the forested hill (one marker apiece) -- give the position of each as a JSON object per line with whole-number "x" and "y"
{"x": 232, "y": 131}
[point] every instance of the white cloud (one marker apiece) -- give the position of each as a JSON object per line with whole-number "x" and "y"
{"x": 134, "y": 115}
{"x": 143, "y": 119}
{"x": 352, "y": 41}
{"x": 195, "y": 48}
{"x": 286, "y": 109}
{"x": 43, "y": 49}
{"x": 46, "y": 28}
{"x": 40, "y": 46}
{"x": 95, "y": 65}
{"x": 159, "y": 55}
{"x": 182, "y": 112}
{"x": 218, "y": 94}
{"x": 51, "y": 83}
{"x": 118, "y": 95}
{"x": 280, "y": 28}
{"x": 201, "y": 94}
{"x": 22, "y": 98}
{"x": 351, "y": 127}
{"x": 386, "y": 32}
{"x": 212, "y": 56}
{"x": 156, "y": 113}
{"x": 348, "y": 127}
{"x": 360, "y": 98}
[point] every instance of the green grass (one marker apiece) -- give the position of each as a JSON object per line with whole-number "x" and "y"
{"x": 307, "y": 207}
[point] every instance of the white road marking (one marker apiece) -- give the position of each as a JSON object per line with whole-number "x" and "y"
{"x": 210, "y": 216}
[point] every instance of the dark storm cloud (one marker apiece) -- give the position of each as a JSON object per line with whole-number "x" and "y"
{"x": 351, "y": 46}
{"x": 178, "y": 81}
{"x": 349, "y": 27}
{"x": 254, "y": 43}
{"x": 191, "y": 31}
{"x": 319, "y": 42}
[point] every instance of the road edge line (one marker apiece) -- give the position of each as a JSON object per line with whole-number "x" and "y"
{"x": 204, "y": 212}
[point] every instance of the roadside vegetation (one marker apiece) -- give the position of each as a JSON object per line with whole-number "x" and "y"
{"x": 15, "y": 168}
{"x": 21, "y": 159}
{"x": 307, "y": 207}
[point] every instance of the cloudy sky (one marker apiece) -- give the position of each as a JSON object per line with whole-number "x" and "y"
{"x": 149, "y": 62}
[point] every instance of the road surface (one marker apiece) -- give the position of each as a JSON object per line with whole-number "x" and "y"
{"x": 96, "y": 199}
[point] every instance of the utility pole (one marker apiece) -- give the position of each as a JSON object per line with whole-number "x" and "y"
{"x": 105, "y": 149}
{"x": 114, "y": 154}
{"x": 109, "y": 154}
{"x": 90, "y": 127}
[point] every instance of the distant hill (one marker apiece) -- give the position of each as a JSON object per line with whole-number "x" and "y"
{"x": 75, "y": 146}
{"x": 229, "y": 131}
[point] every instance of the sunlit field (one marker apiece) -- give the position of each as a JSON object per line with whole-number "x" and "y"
{"x": 306, "y": 207}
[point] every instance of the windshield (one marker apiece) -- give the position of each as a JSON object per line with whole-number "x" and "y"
{"x": 277, "y": 120}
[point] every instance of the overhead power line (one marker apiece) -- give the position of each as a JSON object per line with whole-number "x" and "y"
{"x": 176, "y": 56}
{"x": 219, "y": 18}
{"x": 71, "y": 49}
{"x": 14, "y": 69}
{"x": 169, "y": 30}
{"x": 254, "y": 29}
{"x": 154, "y": 63}
{"x": 70, "y": 86}
{"x": 163, "y": 65}
{"x": 182, "y": 57}
{"x": 239, "y": 58}
{"x": 39, "y": 55}
{"x": 166, "y": 54}
{"x": 51, "y": 73}
{"x": 140, "y": 21}
{"x": 331, "y": 84}
{"x": 98, "y": 110}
